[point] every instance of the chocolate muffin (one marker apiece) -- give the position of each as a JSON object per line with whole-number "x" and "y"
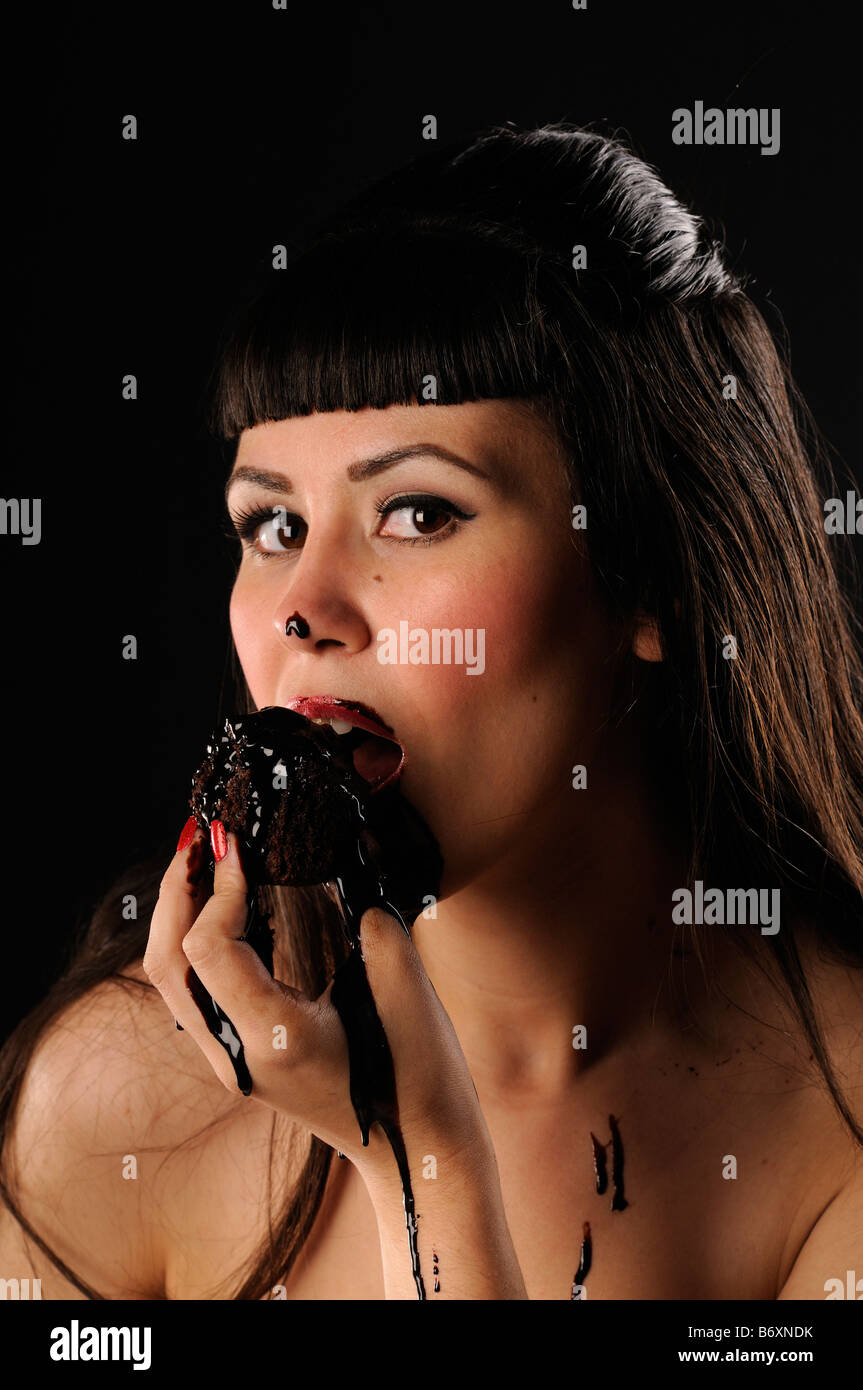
{"x": 303, "y": 815}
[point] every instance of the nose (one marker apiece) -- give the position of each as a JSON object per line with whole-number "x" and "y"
{"x": 319, "y": 607}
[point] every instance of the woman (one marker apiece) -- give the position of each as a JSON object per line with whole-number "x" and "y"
{"x": 512, "y": 392}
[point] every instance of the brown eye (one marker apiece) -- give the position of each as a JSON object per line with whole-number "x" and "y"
{"x": 428, "y": 519}
{"x": 279, "y": 532}
{"x": 419, "y": 518}
{"x": 268, "y": 531}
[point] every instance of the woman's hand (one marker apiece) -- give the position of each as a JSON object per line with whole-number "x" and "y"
{"x": 295, "y": 1047}
{"x": 297, "y": 1055}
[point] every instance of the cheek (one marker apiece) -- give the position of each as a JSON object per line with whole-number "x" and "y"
{"x": 255, "y": 642}
{"x": 540, "y": 623}
{"x": 512, "y": 733}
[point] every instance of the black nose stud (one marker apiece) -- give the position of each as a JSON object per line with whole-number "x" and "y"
{"x": 296, "y": 624}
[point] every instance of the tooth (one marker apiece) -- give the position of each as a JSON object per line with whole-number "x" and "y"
{"x": 341, "y": 726}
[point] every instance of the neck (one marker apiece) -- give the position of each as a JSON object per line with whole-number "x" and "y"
{"x": 571, "y": 929}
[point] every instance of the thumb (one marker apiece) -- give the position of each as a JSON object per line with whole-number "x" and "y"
{"x": 433, "y": 1081}
{"x": 391, "y": 959}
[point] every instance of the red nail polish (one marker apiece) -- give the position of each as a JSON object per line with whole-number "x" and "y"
{"x": 218, "y": 840}
{"x": 187, "y": 834}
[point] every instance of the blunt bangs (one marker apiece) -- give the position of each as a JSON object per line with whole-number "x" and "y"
{"x": 372, "y": 320}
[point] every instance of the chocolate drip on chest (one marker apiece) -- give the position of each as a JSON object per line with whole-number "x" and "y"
{"x": 599, "y": 1164}
{"x": 584, "y": 1261}
{"x": 618, "y": 1201}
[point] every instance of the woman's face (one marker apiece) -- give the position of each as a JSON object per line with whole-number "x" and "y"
{"x": 490, "y": 556}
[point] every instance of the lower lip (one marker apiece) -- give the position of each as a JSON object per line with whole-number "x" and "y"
{"x": 395, "y": 776}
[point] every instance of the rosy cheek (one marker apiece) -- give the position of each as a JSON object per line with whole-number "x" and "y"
{"x": 520, "y": 611}
{"x": 254, "y": 650}
{"x": 509, "y": 616}
{"x": 240, "y": 622}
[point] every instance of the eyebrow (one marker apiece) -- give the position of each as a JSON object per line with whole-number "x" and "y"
{"x": 357, "y": 472}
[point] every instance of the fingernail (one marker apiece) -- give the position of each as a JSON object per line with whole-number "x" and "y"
{"x": 187, "y": 834}
{"x": 218, "y": 840}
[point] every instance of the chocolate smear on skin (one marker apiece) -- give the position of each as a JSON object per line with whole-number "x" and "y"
{"x": 303, "y": 815}
{"x": 618, "y": 1201}
{"x": 584, "y": 1261}
{"x": 221, "y": 1028}
{"x": 599, "y": 1164}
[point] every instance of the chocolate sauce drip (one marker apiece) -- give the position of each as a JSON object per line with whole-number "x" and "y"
{"x": 260, "y": 937}
{"x": 375, "y": 848}
{"x": 584, "y": 1260}
{"x": 221, "y": 1028}
{"x": 618, "y": 1201}
{"x": 259, "y": 933}
{"x": 599, "y": 1164}
{"x": 372, "y": 1074}
{"x": 372, "y": 1080}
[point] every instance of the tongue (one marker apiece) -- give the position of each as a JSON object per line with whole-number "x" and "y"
{"x": 375, "y": 758}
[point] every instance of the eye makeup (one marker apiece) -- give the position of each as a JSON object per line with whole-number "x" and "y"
{"x": 244, "y": 525}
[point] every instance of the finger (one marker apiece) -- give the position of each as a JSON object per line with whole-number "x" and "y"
{"x": 404, "y": 995}
{"x": 182, "y": 894}
{"x": 229, "y": 969}
{"x": 433, "y": 1080}
{"x": 391, "y": 959}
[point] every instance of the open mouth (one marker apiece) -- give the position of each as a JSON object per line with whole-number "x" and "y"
{"x": 375, "y": 758}
{"x": 375, "y": 752}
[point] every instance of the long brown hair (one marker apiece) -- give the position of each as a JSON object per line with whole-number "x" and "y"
{"x": 554, "y": 266}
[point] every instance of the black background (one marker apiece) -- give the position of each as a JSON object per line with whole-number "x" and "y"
{"x": 127, "y": 256}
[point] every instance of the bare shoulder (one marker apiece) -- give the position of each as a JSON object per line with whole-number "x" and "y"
{"x": 826, "y": 1259}
{"x": 836, "y": 988}
{"x": 114, "y": 1105}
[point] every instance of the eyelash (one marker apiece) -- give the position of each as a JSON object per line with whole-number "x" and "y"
{"x": 244, "y": 525}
